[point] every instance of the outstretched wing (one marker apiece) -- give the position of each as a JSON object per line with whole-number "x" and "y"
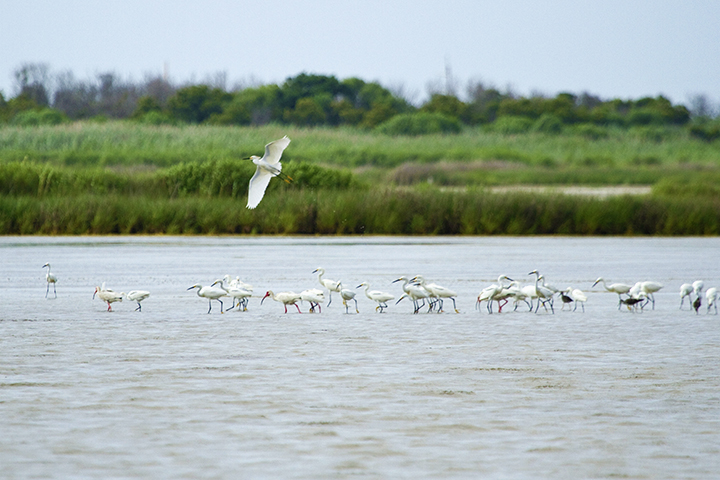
{"x": 258, "y": 184}
{"x": 274, "y": 150}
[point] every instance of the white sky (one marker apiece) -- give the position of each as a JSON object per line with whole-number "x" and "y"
{"x": 610, "y": 48}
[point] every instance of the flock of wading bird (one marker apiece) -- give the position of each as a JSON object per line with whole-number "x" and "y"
{"x": 423, "y": 294}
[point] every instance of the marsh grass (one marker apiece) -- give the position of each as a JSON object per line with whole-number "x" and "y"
{"x": 377, "y": 211}
{"x": 124, "y": 178}
{"x": 127, "y": 143}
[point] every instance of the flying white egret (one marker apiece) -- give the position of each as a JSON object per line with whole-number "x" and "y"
{"x": 108, "y": 296}
{"x": 211, "y": 293}
{"x": 331, "y": 285}
{"x": 314, "y": 296}
{"x": 711, "y": 295}
{"x": 286, "y": 298}
{"x": 346, "y": 295}
{"x": 685, "y": 291}
{"x": 438, "y": 291}
{"x": 267, "y": 167}
{"x": 137, "y": 296}
{"x": 236, "y": 293}
{"x": 377, "y": 296}
{"x": 51, "y": 278}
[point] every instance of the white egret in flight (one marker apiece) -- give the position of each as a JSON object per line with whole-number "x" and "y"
{"x": 267, "y": 167}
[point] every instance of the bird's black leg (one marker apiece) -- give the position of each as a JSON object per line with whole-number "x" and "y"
{"x": 209, "y": 305}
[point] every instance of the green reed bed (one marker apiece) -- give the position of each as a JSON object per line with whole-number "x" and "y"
{"x": 127, "y": 143}
{"x": 382, "y": 211}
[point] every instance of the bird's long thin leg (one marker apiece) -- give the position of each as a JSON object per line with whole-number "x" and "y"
{"x": 454, "y": 305}
{"x": 298, "y": 308}
{"x": 47, "y": 290}
{"x": 139, "y": 307}
{"x": 358, "y": 311}
{"x": 329, "y": 297}
{"x": 209, "y": 305}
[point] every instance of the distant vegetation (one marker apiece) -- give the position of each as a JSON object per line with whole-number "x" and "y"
{"x": 309, "y": 100}
{"x": 111, "y": 157}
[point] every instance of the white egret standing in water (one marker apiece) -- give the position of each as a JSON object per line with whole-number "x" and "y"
{"x": 51, "y": 278}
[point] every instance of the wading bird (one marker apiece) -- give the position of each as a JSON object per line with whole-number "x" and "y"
{"x": 490, "y": 293}
{"x": 648, "y": 288}
{"x": 286, "y": 298}
{"x": 211, "y": 293}
{"x": 711, "y": 296}
{"x": 137, "y": 296}
{"x": 578, "y": 296}
{"x": 685, "y": 291}
{"x": 108, "y": 296}
{"x": 633, "y": 302}
{"x": 437, "y": 291}
{"x": 346, "y": 295}
{"x": 618, "y": 288}
{"x": 331, "y": 285}
{"x": 236, "y": 293}
{"x": 543, "y": 293}
{"x": 314, "y": 296}
{"x": 415, "y": 292}
{"x": 51, "y": 278}
{"x": 267, "y": 167}
{"x": 698, "y": 286}
{"x": 696, "y": 304}
{"x": 565, "y": 298}
{"x": 377, "y": 296}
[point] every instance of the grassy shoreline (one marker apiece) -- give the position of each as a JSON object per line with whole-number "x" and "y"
{"x": 382, "y": 212}
{"x": 124, "y": 178}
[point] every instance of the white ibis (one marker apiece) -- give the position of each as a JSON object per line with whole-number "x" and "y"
{"x": 286, "y": 298}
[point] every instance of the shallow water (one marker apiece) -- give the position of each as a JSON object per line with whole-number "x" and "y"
{"x": 174, "y": 392}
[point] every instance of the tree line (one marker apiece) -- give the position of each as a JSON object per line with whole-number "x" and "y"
{"x": 323, "y": 100}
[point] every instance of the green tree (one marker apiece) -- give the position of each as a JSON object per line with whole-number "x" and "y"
{"x": 308, "y": 112}
{"x": 195, "y": 104}
{"x": 448, "y": 105}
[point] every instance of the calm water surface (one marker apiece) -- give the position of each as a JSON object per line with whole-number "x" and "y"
{"x": 174, "y": 392}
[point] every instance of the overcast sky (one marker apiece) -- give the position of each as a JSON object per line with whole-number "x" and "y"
{"x": 611, "y": 48}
